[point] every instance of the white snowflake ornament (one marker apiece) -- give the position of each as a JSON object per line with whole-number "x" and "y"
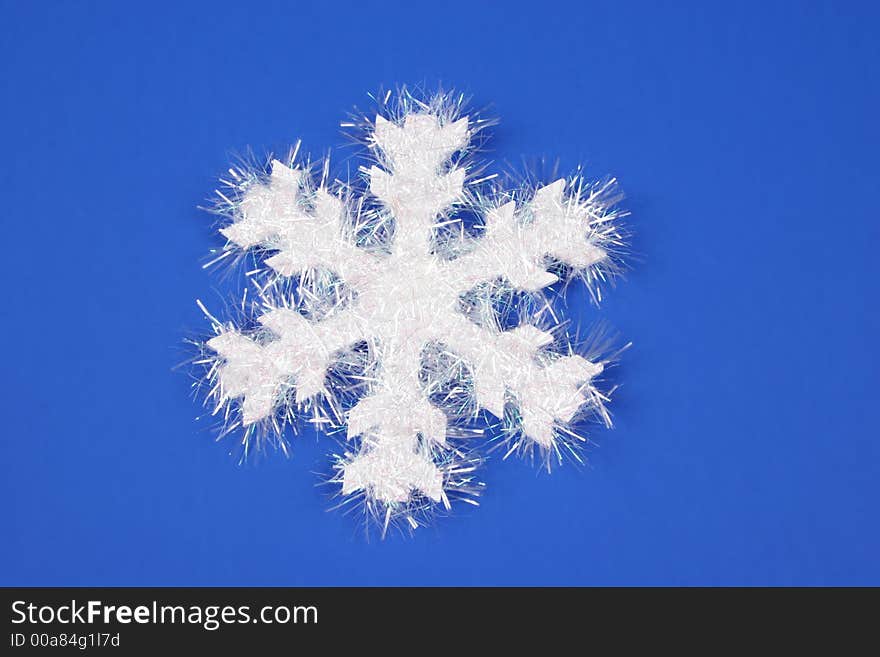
{"x": 378, "y": 313}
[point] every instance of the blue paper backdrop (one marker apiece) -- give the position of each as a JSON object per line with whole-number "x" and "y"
{"x": 746, "y": 136}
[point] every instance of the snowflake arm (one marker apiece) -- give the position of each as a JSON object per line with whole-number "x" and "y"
{"x": 513, "y": 366}
{"x": 554, "y": 226}
{"x": 400, "y": 428}
{"x": 299, "y": 356}
{"x": 308, "y": 230}
{"x": 412, "y": 188}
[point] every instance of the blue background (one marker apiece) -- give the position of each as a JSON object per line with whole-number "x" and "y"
{"x": 746, "y": 136}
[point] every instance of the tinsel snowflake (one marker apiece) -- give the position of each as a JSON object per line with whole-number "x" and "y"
{"x": 381, "y": 312}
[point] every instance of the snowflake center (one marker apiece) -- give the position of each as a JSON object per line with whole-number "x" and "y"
{"x": 407, "y": 301}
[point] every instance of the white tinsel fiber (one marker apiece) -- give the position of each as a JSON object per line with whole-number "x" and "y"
{"x": 379, "y": 313}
